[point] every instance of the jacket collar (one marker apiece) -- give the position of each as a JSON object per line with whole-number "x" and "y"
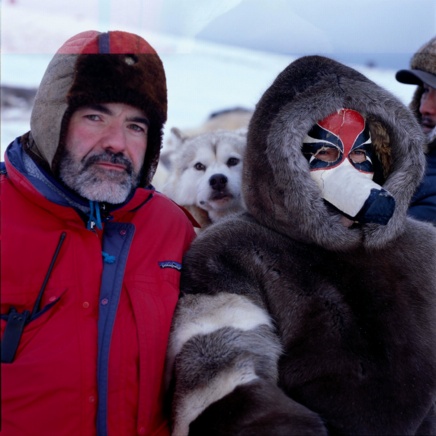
{"x": 56, "y": 192}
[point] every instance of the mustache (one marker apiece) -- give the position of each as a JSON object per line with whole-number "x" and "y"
{"x": 114, "y": 158}
{"x": 427, "y": 121}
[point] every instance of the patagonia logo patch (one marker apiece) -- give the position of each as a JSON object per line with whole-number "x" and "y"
{"x": 170, "y": 264}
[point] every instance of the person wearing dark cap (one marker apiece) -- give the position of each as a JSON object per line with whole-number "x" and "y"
{"x": 91, "y": 253}
{"x": 422, "y": 73}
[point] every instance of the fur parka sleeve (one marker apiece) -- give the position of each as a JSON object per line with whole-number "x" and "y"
{"x": 224, "y": 352}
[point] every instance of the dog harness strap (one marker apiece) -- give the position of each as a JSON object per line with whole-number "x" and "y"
{"x": 17, "y": 321}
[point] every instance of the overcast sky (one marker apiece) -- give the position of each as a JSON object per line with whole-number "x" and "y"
{"x": 385, "y": 32}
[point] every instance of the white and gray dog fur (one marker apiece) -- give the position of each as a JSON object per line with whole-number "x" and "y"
{"x": 206, "y": 172}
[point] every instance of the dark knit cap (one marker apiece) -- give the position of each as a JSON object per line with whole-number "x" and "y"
{"x": 94, "y": 67}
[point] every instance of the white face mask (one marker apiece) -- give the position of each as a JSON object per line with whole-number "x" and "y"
{"x": 340, "y": 155}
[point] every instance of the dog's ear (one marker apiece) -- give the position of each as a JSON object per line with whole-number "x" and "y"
{"x": 172, "y": 144}
{"x": 177, "y": 133}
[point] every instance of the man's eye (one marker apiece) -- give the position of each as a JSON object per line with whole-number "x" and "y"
{"x": 136, "y": 128}
{"x": 199, "y": 166}
{"x": 327, "y": 154}
{"x": 93, "y": 117}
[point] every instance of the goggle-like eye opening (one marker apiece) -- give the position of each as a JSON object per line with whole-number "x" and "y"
{"x": 327, "y": 154}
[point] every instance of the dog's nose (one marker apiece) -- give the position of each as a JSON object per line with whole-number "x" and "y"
{"x": 218, "y": 182}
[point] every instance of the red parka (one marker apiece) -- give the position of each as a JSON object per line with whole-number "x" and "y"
{"x": 90, "y": 359}
{"x": 95, "y": 352}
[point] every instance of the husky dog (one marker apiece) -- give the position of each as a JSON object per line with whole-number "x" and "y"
{"x": 206, "y": 173}
{"x": 233, "y": 118}
{"x": 225, "y": 119}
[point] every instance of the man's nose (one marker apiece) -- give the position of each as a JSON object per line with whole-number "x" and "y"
{"x": 114, "y": 139}
{"x": 428, "y": 103}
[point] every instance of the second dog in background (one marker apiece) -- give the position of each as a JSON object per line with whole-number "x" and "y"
{"x": 206, "y": 172}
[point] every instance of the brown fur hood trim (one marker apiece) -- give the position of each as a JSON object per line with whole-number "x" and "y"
{"x": 277, "y": 186}
{"x": 94, "y": 67}
{"x": 424, "y": 59}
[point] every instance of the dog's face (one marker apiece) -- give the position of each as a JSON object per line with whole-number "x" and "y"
{"x": 207, "y": 172}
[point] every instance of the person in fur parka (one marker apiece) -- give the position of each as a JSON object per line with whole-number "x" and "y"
{"x": 297, "y": 318}
{"x": 422, "y": 73}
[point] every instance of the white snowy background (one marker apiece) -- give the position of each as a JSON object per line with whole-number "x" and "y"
{"x": 217, "y": 53}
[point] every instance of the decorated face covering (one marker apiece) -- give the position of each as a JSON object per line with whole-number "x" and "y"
{"x": 340, "y": 155}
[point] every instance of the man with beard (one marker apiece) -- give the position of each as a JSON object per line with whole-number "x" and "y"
{"x": 91, "y": 253}
{"x": 423, "y": 105}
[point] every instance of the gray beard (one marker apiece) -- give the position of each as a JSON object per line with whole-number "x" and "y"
{"x": 95, "y": 183}
{"x": 431, "y": 136}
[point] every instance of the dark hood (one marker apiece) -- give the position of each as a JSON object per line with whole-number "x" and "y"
{"x": 277, "y": 186}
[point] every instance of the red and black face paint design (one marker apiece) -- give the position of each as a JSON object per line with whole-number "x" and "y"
{"x": 341, "y": 162}
{"x": 342, "y": 135}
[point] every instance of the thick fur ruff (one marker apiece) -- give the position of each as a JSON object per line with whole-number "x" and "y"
{"x": 307, "y": 91}
{"x": 290, "y": 323}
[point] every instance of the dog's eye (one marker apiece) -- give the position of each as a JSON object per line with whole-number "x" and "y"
{"x": 232, "y": 162}
{"x": 199, "y": 166}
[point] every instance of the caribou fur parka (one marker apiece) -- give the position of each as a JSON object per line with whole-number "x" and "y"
{"x": 289, "y": 322}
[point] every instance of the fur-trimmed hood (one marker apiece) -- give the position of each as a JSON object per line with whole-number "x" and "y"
{"x": 94, "y": 67}
{"x": 277, "y": 186}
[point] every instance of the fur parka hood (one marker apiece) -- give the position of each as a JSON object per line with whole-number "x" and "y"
{"x": 277, "y": 188}
{"x": 94, "y": 67}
